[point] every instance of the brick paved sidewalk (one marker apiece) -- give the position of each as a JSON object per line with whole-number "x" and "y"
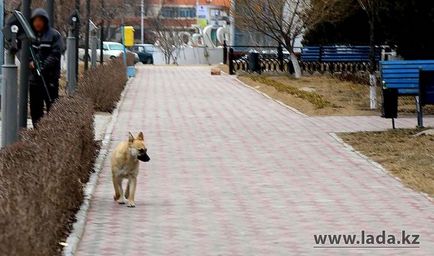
{"x": 235, "y": 173}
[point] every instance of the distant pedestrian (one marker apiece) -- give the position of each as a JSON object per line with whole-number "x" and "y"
{"x": 47, "y": 49}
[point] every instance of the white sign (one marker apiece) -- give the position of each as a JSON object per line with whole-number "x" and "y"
{"x": 202, "y": 12}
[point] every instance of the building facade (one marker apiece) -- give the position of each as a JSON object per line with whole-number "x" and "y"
{"x": 187, "y": 15}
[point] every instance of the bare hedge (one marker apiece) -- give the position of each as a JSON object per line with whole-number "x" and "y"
{"x": 42, "y": 178}
{"x": 104, "y": 84}
{"x": 130, "y": 59}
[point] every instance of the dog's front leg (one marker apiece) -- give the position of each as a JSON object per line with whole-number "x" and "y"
{"x": 121, "y": 198}
{"x": 132, "y": 182}
{"x": 116, "y": 187}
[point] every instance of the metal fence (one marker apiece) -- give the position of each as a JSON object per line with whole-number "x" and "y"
{"x": 274, "y": 59}
{"x": 269, "y": 59}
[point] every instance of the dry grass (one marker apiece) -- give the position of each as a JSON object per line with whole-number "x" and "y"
{"x": 312, "y": 97}
{"x": 315, "y": 95}
{"x": 337, "y": 97}
{"x": 409, "y": 158}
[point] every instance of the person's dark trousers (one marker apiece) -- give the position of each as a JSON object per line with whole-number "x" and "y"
{"x": 39, "y": 99}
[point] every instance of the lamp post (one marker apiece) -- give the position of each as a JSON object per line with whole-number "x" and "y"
{"x": 23, "y": 88}
{"x": 142, "y": 17}
{"x": 86, "y": 40}
{"x": 50, "y": 10}
{"x": 2, "y": 6}
{"x": 77, "y": 37}
{"x": 101, "y": 39}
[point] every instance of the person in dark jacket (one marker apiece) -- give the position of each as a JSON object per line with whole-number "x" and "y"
{"x": 47, "y": 49}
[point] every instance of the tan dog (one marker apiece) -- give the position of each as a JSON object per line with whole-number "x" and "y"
{"x": 125, "y": 165}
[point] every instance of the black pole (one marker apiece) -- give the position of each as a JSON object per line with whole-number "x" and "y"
{"x": 86, "y": 43}
{"x": 50, "y": 10}
{"x": 231, "y": 62}
{"x": 101, "y": 39}
{"x": 77, "y": 37}
{"x": 23, "y": 91}
{"x": 225, "y": 53}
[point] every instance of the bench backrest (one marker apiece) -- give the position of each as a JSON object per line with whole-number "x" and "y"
{"x": 311, "y": 53}
{"x": 338, "y": 54}
{"x": 404, "y": 75}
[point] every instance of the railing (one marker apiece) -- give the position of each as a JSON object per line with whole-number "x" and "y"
{"x": 269, "y": 59}
{"x": 321, "y": 59}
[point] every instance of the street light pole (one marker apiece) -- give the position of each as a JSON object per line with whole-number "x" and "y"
{"x": 86, "y": 43}
{"x": 2, "y": 15}
{"x": 2, "y": 57}
{"x": 23, "y": 91}
{"x": 50, "y": 10}
{"x": 142, "y": 17}
{"x": 77, "y": 37}
{"x": 101, "y": 38}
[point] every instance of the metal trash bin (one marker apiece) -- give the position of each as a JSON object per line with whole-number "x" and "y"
{"x": 253, "y": 62}
{"x": 390, "y": 103}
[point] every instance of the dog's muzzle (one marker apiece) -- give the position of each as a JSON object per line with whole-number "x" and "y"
{"x": 143, "y": 156}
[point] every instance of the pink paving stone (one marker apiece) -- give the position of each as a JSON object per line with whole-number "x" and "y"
{"x": 235, "y": 173}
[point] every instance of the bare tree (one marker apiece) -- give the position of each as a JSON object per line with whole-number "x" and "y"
{"x": 167, "y": 38}
{"x": 168, "y": 34}
{"x": 371, "y": 8}
{"x": 285, "y": 20}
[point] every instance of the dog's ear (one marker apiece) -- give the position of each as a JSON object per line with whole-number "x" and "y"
{"x": 130, "y": 137}
{"x": 140, "y": 136}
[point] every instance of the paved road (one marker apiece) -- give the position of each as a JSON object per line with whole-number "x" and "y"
{"x": 235, "y": 173}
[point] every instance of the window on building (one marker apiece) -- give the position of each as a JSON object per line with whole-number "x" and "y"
{"x": 168, "y": 12}
{"x": 178, "y": 12}
{"x": 215, "y": 13}
{"x": 187, "y": 12}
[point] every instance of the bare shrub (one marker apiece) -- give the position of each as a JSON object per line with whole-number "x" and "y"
{"x": 42, "y": 178}
{"x": 130, "y": 59}
{"x": 104, "y": 84}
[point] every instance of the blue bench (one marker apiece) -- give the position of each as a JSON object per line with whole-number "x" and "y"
{"x": 404, "y": 75}
{"x": 311, "y": 54}
{"x": 338, "y": 54}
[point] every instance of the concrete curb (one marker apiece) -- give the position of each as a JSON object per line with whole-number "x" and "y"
{"x": 267, "y": 96}
{"x": 71, "y": 243}
{"x": 378, "y": 166}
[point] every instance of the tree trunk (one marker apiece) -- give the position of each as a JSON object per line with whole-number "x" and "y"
{"x": 373, "y": 63}
{"x": 288, "y": 44}
{"x": 296, "y": 65}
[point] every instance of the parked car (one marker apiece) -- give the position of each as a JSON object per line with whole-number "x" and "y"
{"x": 111, "y": 50}
{"x": 145, "y": 52}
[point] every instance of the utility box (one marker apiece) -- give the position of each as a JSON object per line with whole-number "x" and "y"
{"x": 390, "y": 103}
{"x": 128, "y": 36}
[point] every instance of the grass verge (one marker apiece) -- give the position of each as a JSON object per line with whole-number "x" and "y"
{"x": 315, "y": 95}
{"x": 407, "y": 157}
{"x": 313, "y": 98}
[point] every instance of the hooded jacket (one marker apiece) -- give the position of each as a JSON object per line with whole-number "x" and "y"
{"x": 48, "y": 49}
